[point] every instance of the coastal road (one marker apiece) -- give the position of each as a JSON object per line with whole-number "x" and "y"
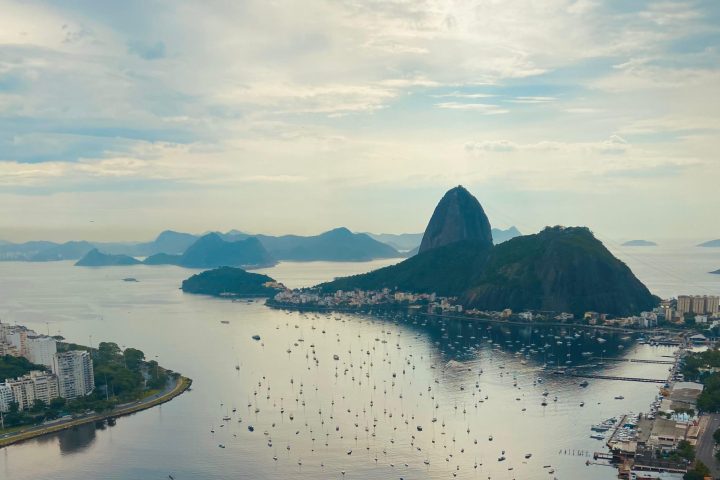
{"x": 705, "y": 449}
{"x": 171, "y": 390}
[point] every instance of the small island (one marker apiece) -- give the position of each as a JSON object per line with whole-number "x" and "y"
{"x": 96, "y": 258}
{"x": 711, "y": 244}
{"x": 231, "y": 282}
{"x": 639, "y": 243}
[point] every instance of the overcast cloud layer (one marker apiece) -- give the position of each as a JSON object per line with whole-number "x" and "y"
{"x": 120, "y": 119}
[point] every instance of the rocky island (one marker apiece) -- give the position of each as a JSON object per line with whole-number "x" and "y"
{"x": 711, "y": 244}
{"x": 231, "y": 282}
{"x": 639, "y": 243}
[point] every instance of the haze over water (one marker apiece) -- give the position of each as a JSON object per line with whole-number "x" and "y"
{"x": 186, "y": 334}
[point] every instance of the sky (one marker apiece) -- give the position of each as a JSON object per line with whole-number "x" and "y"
{"x": 122, "y": 119}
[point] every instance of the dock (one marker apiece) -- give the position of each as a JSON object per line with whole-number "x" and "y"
{"x": 634, "y": 360}
{"x": 613, "y": 377}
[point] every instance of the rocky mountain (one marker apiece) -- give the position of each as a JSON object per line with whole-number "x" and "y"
{"x": 337, "y": 245}
{"x": 170, "y": 242}
{"x": 228, "y": 281}
{"x": 559, "y": 269}
{"x": 212, "y": 251}
{"x": 499, "y": 235}
{"x": 95, "y": 258}
{"x": 711, "y": 244}
{"x": 459, "y": 216}
{"x": 639, "y": 243}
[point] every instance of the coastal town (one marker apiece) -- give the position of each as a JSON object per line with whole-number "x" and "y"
{"x": 59, "y": 387}
{"x": 701, "y": 311}
{"x": 68, "y": 375}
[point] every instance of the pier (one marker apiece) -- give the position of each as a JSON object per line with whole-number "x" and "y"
{"x": 634, "y": 360}
{"x": 613, "y": 377}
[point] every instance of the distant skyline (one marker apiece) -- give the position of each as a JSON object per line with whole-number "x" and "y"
{"x": 122, "y": 119}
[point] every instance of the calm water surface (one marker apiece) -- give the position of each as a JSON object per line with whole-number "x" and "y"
{"x": 358, "y": 414}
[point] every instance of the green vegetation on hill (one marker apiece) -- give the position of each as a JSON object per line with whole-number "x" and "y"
{"x": 228, "y": 281}
{"x": 13, "y": 367}
{"x": 558, "y": 269}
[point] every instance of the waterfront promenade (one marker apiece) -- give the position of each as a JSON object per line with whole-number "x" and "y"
{"x": 172, "y": 390}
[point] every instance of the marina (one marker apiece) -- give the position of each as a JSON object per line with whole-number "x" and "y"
{"x": 488, "y": 379}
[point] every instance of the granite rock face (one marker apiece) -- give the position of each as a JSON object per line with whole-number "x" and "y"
{"x": 458, "y": 217}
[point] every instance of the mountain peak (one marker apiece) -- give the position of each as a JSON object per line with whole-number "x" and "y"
{"x": 338, "y": 232}
{"x": 457, "y": 217}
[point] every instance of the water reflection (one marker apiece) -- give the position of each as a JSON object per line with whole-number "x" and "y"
{"x": 80, "y": 438}
{"x": 487, "y": 378}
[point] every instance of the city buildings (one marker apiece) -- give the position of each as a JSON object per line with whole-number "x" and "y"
{"x": 74, "y": 371}
{"x": 41, "y": 349}
{"x": 71, "y": 373}
{"x": 33, "y": 386}
{"x": 698, "y": 304}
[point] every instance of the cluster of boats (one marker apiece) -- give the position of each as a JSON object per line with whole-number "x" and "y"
{"x": 600, "y": 429}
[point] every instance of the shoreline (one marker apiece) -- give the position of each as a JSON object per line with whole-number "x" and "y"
{"x": 320, "y": 309}
{"x": 182, "y": 384}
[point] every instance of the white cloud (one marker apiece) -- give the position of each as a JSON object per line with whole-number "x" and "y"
{"x": 302, "y": 96}
{"x": 483, "y": 108}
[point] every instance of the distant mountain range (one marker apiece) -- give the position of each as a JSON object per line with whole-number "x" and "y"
{"x": 409, "y": 243}
{"x": 639, "y": 243}
{"x": 172, "y": 247}
{"x": 95, "y": 258}
{"x": 337, "y": 245}
{"x": 711, "y": 244}
{"x": 716, "y": 272}
{"x": 559, "y": 269}
{"x": 399, "y": 241}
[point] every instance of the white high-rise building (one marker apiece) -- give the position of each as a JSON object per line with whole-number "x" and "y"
{"x": 74, "y": 370}
{"x": 41, "y": 349}
{"x": 6, "y": 397}
{"x": 46, "y": 386}
{"x": 23, "y": 391}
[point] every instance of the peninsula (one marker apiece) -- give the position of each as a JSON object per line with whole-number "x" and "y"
{"x": 67, "y": 384}
{"x": 559, "y": 269}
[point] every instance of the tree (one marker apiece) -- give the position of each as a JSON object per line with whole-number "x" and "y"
{"x": 57, "y": 403}
{"x": 133, "y": 358}
{"x": 108, "y": 352}
{"x": 716, "y": 436}
{"x": 38, "y": 405}
{"x": 699, "y": 472}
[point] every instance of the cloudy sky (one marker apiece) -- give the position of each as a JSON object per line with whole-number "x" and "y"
{"x": 120, "y": 119}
